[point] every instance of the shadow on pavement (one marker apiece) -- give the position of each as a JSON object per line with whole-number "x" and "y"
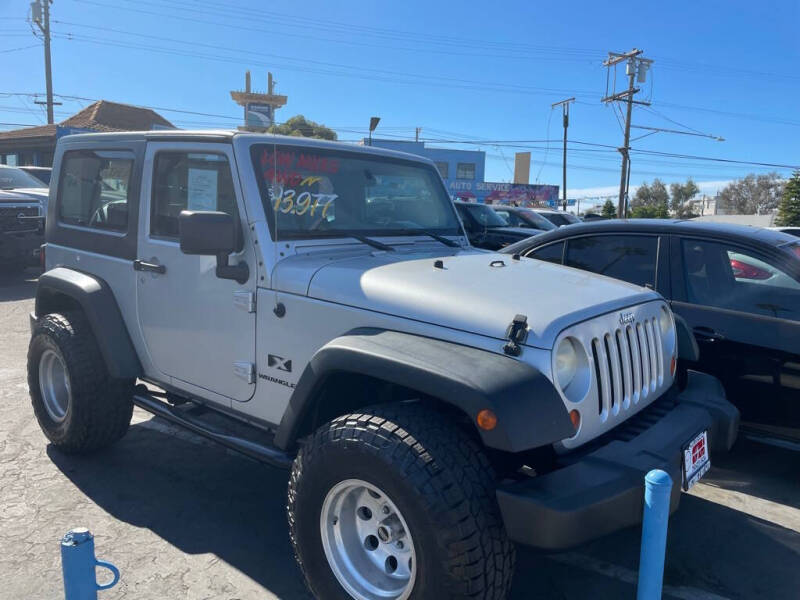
{"x": 201, "y": 498}
{"x": 197, "y": 497}
{"x": 18, "y": 285}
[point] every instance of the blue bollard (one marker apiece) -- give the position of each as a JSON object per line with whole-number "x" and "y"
{"x": 78, "y": 563}
{"x": 657, "y": 488}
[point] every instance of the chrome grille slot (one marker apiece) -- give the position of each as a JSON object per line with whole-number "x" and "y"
{"x": 636, "y": 362}
{"x": 644, "y": 349}
{"x": 624, "y": 359}
{"x": 604, "y": 389}
{"x": 616, "y": 373}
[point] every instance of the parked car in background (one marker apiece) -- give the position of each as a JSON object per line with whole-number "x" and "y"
{"x": 558, "y": 218}
{"x": 795, "y": 231}
{"x": 527, "y": 218}
{"x": 23, "y": 201}
{"x": 737, "y": 287}
{"x": 592, "y": 217}
{"x": 41, "y": 173}
{"x": 487, "y": 229}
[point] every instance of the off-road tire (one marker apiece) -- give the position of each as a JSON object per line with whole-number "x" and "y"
{"x": 435, "y": 473}
{"x": 100, "y": 407}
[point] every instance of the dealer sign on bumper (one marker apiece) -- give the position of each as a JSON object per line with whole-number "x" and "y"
{"x": 696, "y": 461}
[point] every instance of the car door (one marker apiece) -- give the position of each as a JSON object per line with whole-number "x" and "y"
{"x": 199, "y": 329}
{"x": 743, "y": 305}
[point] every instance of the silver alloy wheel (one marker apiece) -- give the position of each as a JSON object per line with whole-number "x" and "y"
{"x": 54, "y": 385}
{"x": 367, "y": 542}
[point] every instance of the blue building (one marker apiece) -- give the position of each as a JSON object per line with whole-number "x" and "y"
{"x": 462, "y": 170}
{"x": 463, "y": 173}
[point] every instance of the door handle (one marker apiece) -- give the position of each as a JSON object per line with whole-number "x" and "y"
{"x": 707, "y": 334}
{"x": 140, "y": 265}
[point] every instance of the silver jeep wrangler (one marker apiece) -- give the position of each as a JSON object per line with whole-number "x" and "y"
{"x": 317, "y": 306}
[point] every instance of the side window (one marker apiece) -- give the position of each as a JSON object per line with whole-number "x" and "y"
{"x": 188, "y": 181}
{"x": 93, "y": 189}
{"x": 726, "y": 276}
{"x": 631, "y": 258}
{"x": 551, "y": 253}
{"x": 466, "y": 219}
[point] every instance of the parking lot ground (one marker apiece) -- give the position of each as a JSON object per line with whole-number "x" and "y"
{"x": 184, "y": 518}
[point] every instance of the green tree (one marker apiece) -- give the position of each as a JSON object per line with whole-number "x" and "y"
{"x": 681, "y": 194}
{"x": 650, "y": 201}
{"x": 299, "y": 126}
{"x": 754, "y": 194}
{"x": 789, "y": 205}
{"x": 609, "y": 210}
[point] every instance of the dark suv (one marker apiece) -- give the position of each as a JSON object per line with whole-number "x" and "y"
{"x": 487, "y": 229}
{"x": 737, "y": 287}
{"x": 22, "y": 206}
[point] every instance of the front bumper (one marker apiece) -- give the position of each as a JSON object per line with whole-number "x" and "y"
{"x": 20, "y": 246}
{"x": 602, "y": 490}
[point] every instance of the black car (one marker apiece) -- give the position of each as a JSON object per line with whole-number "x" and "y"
{"x": 23, "y": 202}
{"x": 737, "y": 287}
{"x": 486, "y": 229}
{"x": 527, "y": 218}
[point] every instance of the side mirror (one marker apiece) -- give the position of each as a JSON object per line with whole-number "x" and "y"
{"x": 211, "y": 233}
{"x": 206, "y": 233}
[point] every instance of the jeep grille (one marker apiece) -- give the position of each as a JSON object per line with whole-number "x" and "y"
{"x": 628, "y": 361}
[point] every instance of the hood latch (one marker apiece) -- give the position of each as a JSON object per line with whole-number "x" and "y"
{"x": 516, "y": 334}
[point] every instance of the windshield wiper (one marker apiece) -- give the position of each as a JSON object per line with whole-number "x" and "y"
{"x": 371, "y": 242}
{"x": 439, "y": 238}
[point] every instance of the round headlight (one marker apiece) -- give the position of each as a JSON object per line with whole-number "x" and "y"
{"x": 566, "y": 363}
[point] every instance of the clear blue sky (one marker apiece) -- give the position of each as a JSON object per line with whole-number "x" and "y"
{"x": 460, "y": 70}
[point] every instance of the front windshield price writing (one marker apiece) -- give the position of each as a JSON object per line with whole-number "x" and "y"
{"x": 289, "y": 201}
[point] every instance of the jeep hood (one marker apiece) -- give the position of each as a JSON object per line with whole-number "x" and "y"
{"x": 477, "y": 292}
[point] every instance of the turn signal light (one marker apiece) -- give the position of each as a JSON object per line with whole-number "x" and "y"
{"x": 673, "y": 364}
{"x": 575, "y": 417}
{"x": 486, "y": 419}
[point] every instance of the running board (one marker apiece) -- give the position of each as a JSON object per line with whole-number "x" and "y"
{"x": 254, "y": 449}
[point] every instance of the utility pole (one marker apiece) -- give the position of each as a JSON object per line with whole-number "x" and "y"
{"x": 416, "y": 133}
{"x": 41, "y": 16}
{"x": 636, "y": 68}
{"x": 564, "y": 104}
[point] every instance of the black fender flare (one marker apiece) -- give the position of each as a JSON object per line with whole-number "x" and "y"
{"x": 97, "y": 301}
{"x": 530, "y": 412}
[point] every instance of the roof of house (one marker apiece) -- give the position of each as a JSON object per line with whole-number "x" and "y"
{"x": 98, "y": 116}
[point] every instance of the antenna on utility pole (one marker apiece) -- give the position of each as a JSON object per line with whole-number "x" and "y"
{"x": 564, "y": 104}
{"x": 636, "y": 69}
{"x": 40, "y": 14}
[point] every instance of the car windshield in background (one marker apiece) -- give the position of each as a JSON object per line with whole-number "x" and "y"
{"x": 312, "y": 192}
{"x": 794, "y": 248}
{"x": 559, "y": 218}
{"x": 484, "y": 215}
{"x": 12, "y": 178}
{"x": 536, "y": 219}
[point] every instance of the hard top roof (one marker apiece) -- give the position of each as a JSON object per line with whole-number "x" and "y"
{"x": 227, "y": 135}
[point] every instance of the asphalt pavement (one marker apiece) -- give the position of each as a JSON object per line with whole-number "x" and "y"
{"x": 184, "y": 518}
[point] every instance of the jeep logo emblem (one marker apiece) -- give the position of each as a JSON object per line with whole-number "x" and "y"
{"x": 625, "y": 318}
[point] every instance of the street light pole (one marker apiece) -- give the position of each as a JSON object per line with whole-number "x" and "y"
{"x": 564, "y": 104}
{"x": 373, "y": 123}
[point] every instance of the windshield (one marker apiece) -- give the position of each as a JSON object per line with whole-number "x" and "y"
{"x": 313, "y": 192}
{"x": 536, "y": 220}
{"x": 561, "y": 218}
{"x": 11, "y": 178}
{"x": 484, "y": 215}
